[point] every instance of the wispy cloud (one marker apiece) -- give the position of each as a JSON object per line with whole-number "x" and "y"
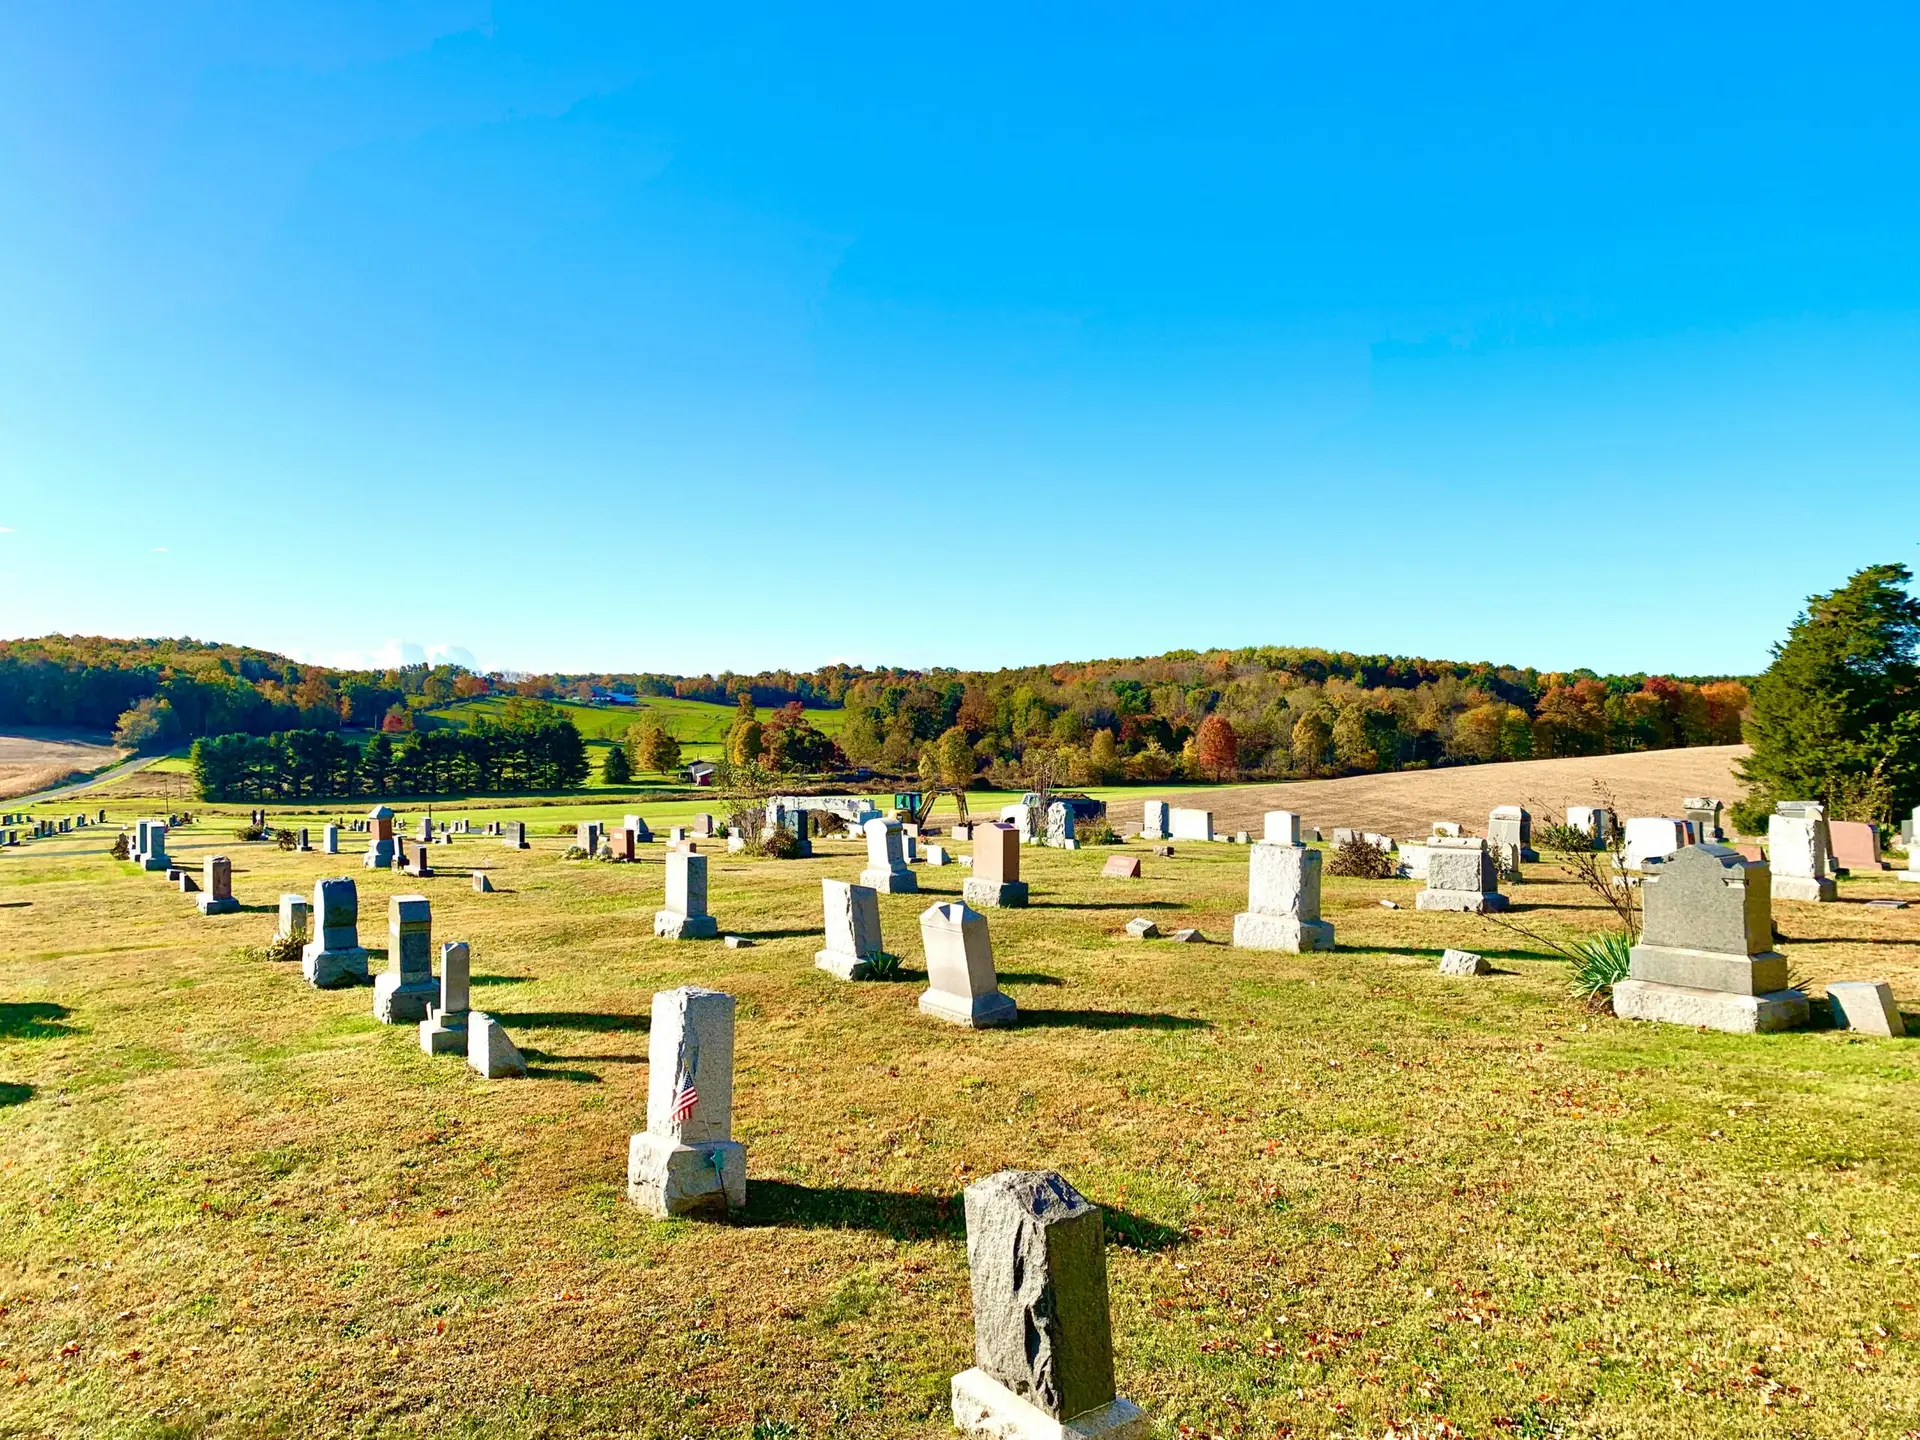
{"x": 159, "y": 549}
{"x": 391, "y": 656}
{"x": 6, "y": 529}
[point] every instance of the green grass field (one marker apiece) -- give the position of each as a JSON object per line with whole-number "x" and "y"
{"x": 1345, "y": 1195}
{"x": 700, "y": 727}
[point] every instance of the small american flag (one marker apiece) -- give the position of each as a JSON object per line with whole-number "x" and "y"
{"x": 684, "y": 1099}
{"x": 685, "y": 1096}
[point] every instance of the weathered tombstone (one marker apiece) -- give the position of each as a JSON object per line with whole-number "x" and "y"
{"x": 1042, "y": 1337}
{"x": 402, "y": 993}
{"x": 587, "y": 836}
{"x": 1650, "y": 840}
{"x": 1028, "y": 818}
{"x": 330, "y": 840}
{"x": 887, "y": 869}
{"x": 515, "y": 835}
{"x": 1461, "y": 875}
{"x": 444, "y": 1031}
{"x": 1856, "y": 846}
{"x": 216, "y": 886}
{"x": 1283, "y": 901}
{"x": 1281, "y": 827}
{"x": 293, "y": 919}
{"x": 853, "y": 929}
{"x": 937, "y": 855}
{"x": 1190, "y": 824}
{"x": 703, "y": 824}
{"x": 686, "y": 1161}
{"x": 416, "y": 859}
{"x": 1797, "y": 856}
{"x": 380, "y": 849}
{"x": 1141, "y": 928}
{"x": 1060, "y": 826}
{"x": 482, "y": 883}
{"x": 1510, "y": 836}
{"x": 1464, "y": 963}
{"x": 1155, "y": 827}
{"x": 186, "y": 883}
{"x": 1592, "y": 820}
{"x": 792, "y": 818}
{"x": 1865, "y": 1006}
{"x": 1413, "y": 860}
{"x": 333, "y": 956}
{"x": 995, "y": 881}
{"x": 1705, "y": 954}
{"x": 1344, "y": 835}
{"x": 1121, "y": 867}
{"x": 641, "y": 834}
{"x": 685, "y": 916}
{"x": 489, "y": 1049}
{"x": 962, "y": 987}
{"x": 1703, "y": 812}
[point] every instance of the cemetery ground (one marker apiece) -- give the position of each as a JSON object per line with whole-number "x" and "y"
{"x": 1344, "y": 1195}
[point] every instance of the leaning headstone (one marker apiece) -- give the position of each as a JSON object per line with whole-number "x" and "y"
{"x": 1281, "y": 827}
{"x": 444, "y": 1031}
{"x": 686, "y": 1161}
{"x": 1797, "y": 856}
{"x": 330, "y": 840}
{"x": 293, "y": 919}
{"x": 1856, "y": 846}
{"x": 1283, "y": 901}
{"x": 1060, "y": 826}
{"x": 1190, "y": 824}
{"x": 962, "y": 987}
{"x": 685, "y": 916}
{"x": 1141, "y": 928}
{"x": 1155, "y": 827}
{"x": 514, "y": 835}
{"x": 490, "y": 1051}
{"x": 482, "y": 884}
{"x": 852, "y": 914}
{"x": 1703, "y": 812}
{"x": 1121, "y": 867}
{"x": 1042, "y": 1337}
{"x": 1164, "y": 852}
{"x": 887, "y": 869}
{"x": 1510, "y": 836}
{"x": 380, "y": 849}
{"x": 402, "y": 993}
{"x": 995, "y": 881}
{"x": 216, "y": 886}
{"x": 1464, "y": 962}
{"x": 1461, "y": 875}
{"x": 1865, "y": 1006}
{"x": 1705, "y": 954}
{"x": 333, "y": 956}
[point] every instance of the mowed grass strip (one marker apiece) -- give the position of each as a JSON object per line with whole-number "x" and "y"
{"x": 1343, "y": 1193}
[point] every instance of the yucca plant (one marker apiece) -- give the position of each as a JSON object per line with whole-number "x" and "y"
{"x": 1599, "y": 960}
{"x": 883, "y": 966}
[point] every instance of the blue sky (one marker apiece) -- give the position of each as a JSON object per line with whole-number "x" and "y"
{"x": 646, "y": 338}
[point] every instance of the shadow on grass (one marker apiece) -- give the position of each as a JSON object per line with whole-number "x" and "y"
{"x": 902, "y": 1216}
{"x": 1108, "y": 1020}
{"x": 1105, "y": 905}
{"x": 1433, "y": 952}
{"x": 555, "y": 1072}
{"x": 497, "y": 980}
{"x": 33, "y": 1020}
{"x": 598, "y": 1022}
{"x": 14, "y": 904}
{"x": 772, "y": 934}
{"x": 1839, "y": 940}
{"x": 14, "y": 1094}
{"x": 1028, "y": 977}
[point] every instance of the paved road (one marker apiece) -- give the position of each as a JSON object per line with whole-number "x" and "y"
{"x": 80, "y": 787}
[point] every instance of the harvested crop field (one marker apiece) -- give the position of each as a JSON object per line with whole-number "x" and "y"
{"x": 1405, "y": 804}
{"x": 32, "y": 761}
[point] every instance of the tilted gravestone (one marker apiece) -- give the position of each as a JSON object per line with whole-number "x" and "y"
{"x": 490, "y": 1052}
{"x": 1283, "y": 901}
{"x": 995, "y": 881}
{"x": 1705, "y": 954}
{"x": 1042, "y": 1335}
{"x": 962, "y": 985}
{"x": 216, "y": 886}
{"x": 686, "y": 1162}
{"x": 333, "y": 956}
{"x": 1460, "y": 876}
{"x": 1856, "y": 846}
{"x": 1060, "y": 828}
{"x": 852, "y": 915}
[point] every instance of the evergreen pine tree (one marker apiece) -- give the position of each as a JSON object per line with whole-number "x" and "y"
{"x": 615, "y": 769}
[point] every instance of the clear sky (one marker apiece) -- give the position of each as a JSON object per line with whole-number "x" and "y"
{"x": 688, "y": 337}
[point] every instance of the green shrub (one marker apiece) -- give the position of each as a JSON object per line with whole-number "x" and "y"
{"x": 1562, "y": 839}
{"x": 1599, "y": 961}
{"x": 883, "y": 966}
{"x": 121, "y": 849}
{"x": 250, "y": 831}
{"x": 287, "y": 839}
{"x": 282, "y": 948}
{"x": 780, "y": 844}
{"x": 1096, "y": 832}
{"x": 1357, "y": 860}
{"x": 575, "y": 852}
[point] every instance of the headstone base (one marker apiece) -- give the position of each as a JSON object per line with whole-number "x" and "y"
{"x": 988, "y": 894}
{"x": 666, "y": 1179}
{"x": 439, "y": 1035}
{"x": 891, "y": 882}
{"x": 332, "y": 969}
{"x": 669, "y": 925}
{"x": 379, "y": 855}
{"x": 223, "y": 905}
{"x": 1471, "y": 901}
{"x": 1911, "y": 876}
{"x": 1802, "y": 887}
{"x": 397, "y": 1002}
{"x": 1281, "y": 932}
{"x": 847, "y": 967}
{"x": 155, "y": 862}
{"x": 984, "y": 1012}
{"x": 1705, "y": 970}
{"x": 983, "y": 1406}
{"x": 1714, "y": 1009}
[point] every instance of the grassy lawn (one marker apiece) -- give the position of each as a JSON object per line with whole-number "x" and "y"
{"x": 700, "y": 727}
{"x": 1343, "y": 1193}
